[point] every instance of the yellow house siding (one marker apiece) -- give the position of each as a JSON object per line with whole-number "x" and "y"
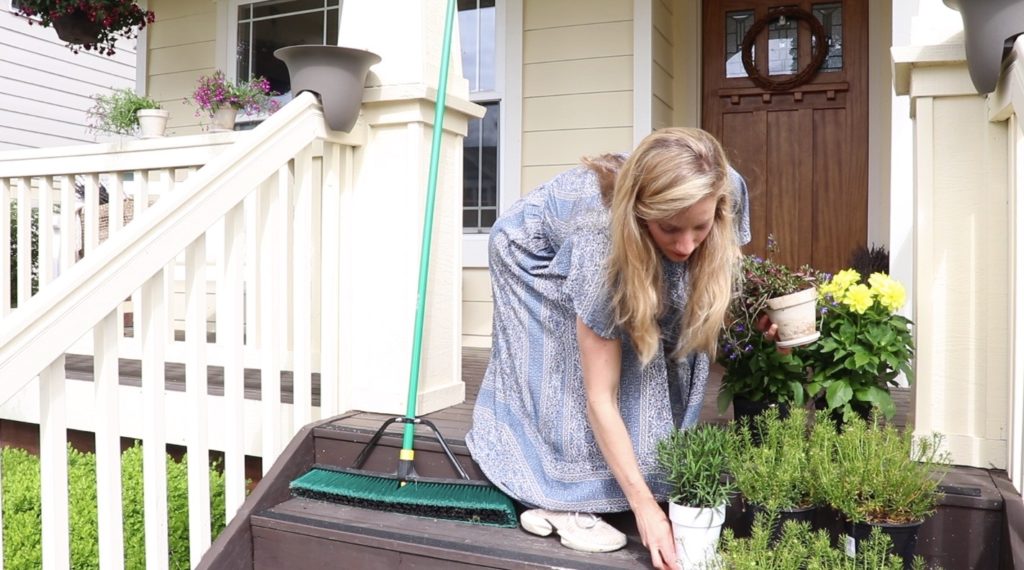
{"x": 577, "y": 100}
{"x": 181, "y": 49}
{"x": 662, "y": 78}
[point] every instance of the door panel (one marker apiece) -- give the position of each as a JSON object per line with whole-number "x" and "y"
{"x": 802, "y": 150}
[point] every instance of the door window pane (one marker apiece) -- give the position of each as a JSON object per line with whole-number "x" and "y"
{"x": 783, "y": 45}
{"x": 480, "y": 171}
{"x": 736, "y": 26}
{"x": 831, "y": 18}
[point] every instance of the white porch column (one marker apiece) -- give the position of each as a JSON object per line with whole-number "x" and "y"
{"x": 382, "y": 217}
{"x": 960, "y": 239}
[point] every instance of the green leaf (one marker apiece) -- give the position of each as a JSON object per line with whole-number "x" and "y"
{"x": 838, "y": 393}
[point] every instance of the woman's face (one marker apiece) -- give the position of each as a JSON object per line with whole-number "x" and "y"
{"x": 679, "y": 236}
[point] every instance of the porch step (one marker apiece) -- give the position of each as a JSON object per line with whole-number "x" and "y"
{"x": 304, "y": 533}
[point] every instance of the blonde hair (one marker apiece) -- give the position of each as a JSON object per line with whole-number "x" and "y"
{"x": 670, "y": 170}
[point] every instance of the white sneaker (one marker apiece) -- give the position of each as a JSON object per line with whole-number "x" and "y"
{"x": 585, "y": 532}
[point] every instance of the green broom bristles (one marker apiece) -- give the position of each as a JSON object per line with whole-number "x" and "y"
{"x": 481, "y": 504}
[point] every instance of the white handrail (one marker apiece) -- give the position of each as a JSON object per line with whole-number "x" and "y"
{"x": 70, "y": 307}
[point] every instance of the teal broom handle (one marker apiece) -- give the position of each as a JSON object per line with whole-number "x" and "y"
{"x": 428, "y": 226}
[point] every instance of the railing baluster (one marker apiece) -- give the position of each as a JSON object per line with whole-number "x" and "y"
{"x": 329, "y": 281}
{"x": 196, "y": 381}
{"x": 154, "y": 452}
{"x": 302, "y": 291}
{"x": 24, "y": 241}
{"x": 91, "y": 213}
{"x": 347, "y": 213}
{"x": 141, "y": 190}
{"x": 230, "y": 312}
{"x": 253, "y": 230}
{"x": 5, "y": 248}
{"x": 45, "y": 231}
{"x": 53, "y": 466}
{"x": 69, "y": 230}
{"x": 115, "y": 210}
{"x": 108, "y": 443}
{"x": 274, "y": 211}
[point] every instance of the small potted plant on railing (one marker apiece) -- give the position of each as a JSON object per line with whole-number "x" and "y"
{"x": 123, "y": 111}
{"x": 695, "y": 464}
{"x": 221, "y": 99}
{"x": 864, "y": 344}
{"x": 88, "y": 24}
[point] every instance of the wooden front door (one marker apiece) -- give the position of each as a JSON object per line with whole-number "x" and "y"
{"x": 802, "y": 148}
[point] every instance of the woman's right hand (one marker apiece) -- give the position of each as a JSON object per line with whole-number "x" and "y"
{"x": 656, "y": 534}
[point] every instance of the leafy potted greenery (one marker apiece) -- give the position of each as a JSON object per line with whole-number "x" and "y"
{"x": 221, "y": 99}
{"x": 123, "y": 111}
{"x": 757, "y": 374}
{"x": 799, "y": 547}
{"x": 864, "y": 346}
{"x": 877, "y": 475}
{"x": 88, "y": 24}
{"x": 695, "y": 465}
{"x": 773, "y": 474}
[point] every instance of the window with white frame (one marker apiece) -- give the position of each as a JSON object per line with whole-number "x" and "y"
{"x": 478, "y": 33}
{"x": 264, "y": 26}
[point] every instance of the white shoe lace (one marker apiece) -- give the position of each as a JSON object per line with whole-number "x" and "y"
{"x": 594, "y": 519}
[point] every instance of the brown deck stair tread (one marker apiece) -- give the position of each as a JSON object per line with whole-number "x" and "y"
{"x": 449, "y": 540}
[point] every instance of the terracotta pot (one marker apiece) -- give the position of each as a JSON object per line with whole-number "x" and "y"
{"x": 336, "y": 74}
{"x": 224, "y": 119}
{"x": 796, "y": 316}
{"x": 76, "y": 28}
{"x": 152, "y": 122}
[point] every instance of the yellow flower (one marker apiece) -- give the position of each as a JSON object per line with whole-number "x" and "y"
{"x": 839, "y": 283}
{"x": 890, "y": 293}
{"x": 858, "y": 297}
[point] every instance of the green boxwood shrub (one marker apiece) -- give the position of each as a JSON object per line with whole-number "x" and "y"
{"x": 22, "y": 525}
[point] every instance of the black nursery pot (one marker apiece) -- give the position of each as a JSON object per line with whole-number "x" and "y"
{"x": 744, "y": 411}
{"x": 805, "y": 514}
{"x": 903, "y": 536}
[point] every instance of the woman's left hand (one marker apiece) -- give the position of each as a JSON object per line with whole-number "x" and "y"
{"x": 770, "y": 331}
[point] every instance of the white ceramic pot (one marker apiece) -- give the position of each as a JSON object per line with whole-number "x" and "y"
{"x": 796, "y": 316}
{"x": 224, "y": 119}
{"x": 152, "y": 122}
{"x": 696, "y": 533}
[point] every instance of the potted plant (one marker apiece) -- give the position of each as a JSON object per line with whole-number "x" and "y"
{"x": 88, "y": 24}
{"x": 757, "y": 374}
{"x": 773, "y": 474}
{"x": 694, "y": 462}
{"x": 878, "y": 475}
{"x": 221, "y": 99}
{"x": 123, "y": 111}
{"x": 864, "y": 345}
{"x": 799, "y": 547}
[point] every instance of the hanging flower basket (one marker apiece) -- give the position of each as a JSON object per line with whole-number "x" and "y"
{"x": 88, "y": 24}
{"x": 77, "y": 28}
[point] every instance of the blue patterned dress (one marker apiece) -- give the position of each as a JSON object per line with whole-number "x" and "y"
{"x": 530, "y": 433}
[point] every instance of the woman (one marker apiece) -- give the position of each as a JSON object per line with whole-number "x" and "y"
{"x": 610, "y": 287}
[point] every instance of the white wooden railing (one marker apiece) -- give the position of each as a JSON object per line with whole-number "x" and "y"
{"x": 252, "y": 213}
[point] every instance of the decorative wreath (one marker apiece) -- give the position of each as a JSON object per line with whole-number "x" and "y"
{"x": 808, "y": 72}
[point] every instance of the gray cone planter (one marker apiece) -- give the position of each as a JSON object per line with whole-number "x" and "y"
{"x": 336, "y": 74}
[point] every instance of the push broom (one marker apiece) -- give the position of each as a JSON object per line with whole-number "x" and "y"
{"x": 404, "y": 491}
